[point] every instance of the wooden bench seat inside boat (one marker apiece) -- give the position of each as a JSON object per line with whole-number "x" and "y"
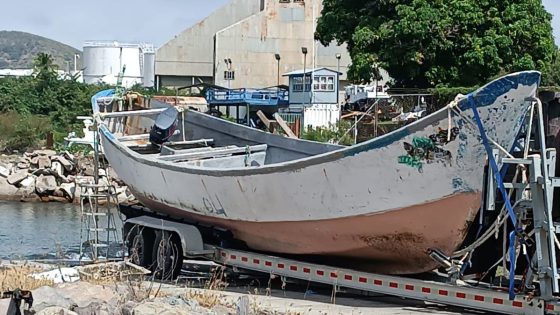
{"x": 208, "y": 153}
{"x": 232, "y": 161}
{"x": 170, "y": 147}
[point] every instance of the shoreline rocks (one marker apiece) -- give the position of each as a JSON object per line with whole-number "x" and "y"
{"x": 45, "y": 175}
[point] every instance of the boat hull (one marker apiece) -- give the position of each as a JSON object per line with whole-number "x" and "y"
{"x": 395, "y": 241}
{"x": 382, "y": 203}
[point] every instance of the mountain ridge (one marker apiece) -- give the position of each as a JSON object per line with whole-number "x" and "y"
{"x": 18, "y": 49}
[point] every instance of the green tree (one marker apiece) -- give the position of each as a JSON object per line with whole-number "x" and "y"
{"x": 427, "y": 43}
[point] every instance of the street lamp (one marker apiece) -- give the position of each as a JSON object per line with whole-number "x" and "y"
{"x": 338, "y": 56}
{"x": 304, "y": 52}
{"x": 277, "y": 56}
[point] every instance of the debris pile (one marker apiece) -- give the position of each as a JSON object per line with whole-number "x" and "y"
{"x": 44, "y": 175}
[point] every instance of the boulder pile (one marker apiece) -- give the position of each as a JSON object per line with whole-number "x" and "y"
{"x": 46, "y": 175}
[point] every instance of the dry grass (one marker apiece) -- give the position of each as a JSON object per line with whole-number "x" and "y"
{"x": 208, "y": 298}
{"x": 18, "y": 277}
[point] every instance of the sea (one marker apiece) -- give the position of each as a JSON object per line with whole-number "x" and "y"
{"x": 46, "y": 231}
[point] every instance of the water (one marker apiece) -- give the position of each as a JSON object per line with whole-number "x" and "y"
{"x": 40, "y": 230}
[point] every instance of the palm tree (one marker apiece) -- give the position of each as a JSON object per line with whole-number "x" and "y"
{"x": 44, "y": 68}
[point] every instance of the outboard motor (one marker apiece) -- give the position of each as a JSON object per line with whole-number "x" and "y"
{"x": 164, "y": 126}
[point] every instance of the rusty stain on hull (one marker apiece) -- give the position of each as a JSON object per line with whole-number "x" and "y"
{"x": 394, "y": 242}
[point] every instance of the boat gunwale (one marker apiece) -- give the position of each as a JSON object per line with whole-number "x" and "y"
{"x": 296, "y": 164}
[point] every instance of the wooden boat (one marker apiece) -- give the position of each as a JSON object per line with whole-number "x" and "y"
{"x": 380, "y": 205}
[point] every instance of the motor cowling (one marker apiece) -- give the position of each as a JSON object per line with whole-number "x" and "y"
{"x": 164, "y": 126}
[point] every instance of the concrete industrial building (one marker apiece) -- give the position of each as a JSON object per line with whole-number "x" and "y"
{"x": 246, "y": 38}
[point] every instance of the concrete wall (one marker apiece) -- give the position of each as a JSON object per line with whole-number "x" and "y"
{"x": 250, "y": 38}
{"x": 281, "y": 28}
{"x": 191, "y": 53}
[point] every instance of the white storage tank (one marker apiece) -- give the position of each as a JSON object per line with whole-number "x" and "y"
{"x": 104, "y": 60}
{"x": 149, "y": 71}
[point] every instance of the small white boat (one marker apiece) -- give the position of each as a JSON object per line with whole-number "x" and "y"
{"x": 380, "y": 205}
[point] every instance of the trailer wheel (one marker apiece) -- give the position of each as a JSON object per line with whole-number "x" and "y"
{"x": 167, "y": 255}
{"x": 140, "y": 242}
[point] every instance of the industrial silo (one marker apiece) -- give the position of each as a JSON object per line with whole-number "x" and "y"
{"x": 104, "y": 60}
{"x": 149, "y": 69}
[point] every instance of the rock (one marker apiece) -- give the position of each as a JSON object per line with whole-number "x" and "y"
{"x": 149, "y": 308}
{"x": 128, "y": 308}
{"x": 94, "y": 308}
{"x": 88, "y": 170}
{"x": 65, "y": 179}
{"x": 57, "y": 199}
{"x": 44, "y": 171}
{"x": 23, "y": 165}
{"x": 55, "y": 310}
{"x": 68, "y": 166}
{"x": 43, "y": 162}
{"x": 29, "y": 181}
{"x": 27, "y": 188}
{"x": 47, "y": 297}
{"x": 5, "y": 305}
{"x": 112, "y": 174}
{"x": 34, "y": 160}
{"x": 57, "y": 167}
{"x": 69, "y": 189}
{"x": 17, "y": 177}
{"x": 69, "y": 156}
{"x": 45, "y": 152}
{"x": 6, "y": 189}
{"x": 45, "y": 184}
{"x": 4, "y": 171}
{"x": 58, "y": 193}
{"x": 243, "y": 305}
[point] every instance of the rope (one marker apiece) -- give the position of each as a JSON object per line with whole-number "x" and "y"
{"x": 247, "y": 155}
{"x": 499, "y": 180}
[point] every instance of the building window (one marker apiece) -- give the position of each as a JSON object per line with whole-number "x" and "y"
{"x": 298, "y": 1}
{"x": 297, "y": 84}
{"x": 285, "y": 1}
{"x": 323, "y": 83}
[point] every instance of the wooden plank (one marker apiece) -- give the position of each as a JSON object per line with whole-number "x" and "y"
{"x": 143, "y": 136}
{"x": 144, "y": 112}
{"x": 212, "y": 152}
{"x": 284, "y": 126}
{"x": 166, "y": 151}
{"x": 264, "y": 119}
{"x": 268, "y": 122}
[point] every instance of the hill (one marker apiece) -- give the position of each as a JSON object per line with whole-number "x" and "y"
{"x": 18, "y": 49}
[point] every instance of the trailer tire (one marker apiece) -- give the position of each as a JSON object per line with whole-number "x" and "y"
{"x": 167, "y": 255}
{"x": 140, "y": 243}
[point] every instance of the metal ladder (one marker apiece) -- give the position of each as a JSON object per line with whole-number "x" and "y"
{"x": 99, "y": 204}
{"x": 99, "y": 230}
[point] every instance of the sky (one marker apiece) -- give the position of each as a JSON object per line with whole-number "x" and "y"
{"x": 75, "y": 21}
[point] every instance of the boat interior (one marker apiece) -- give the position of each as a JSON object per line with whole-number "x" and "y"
{"x": 164, "y": 132}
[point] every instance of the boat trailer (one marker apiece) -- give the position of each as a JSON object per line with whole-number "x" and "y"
{"x": 529, "y": 201}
